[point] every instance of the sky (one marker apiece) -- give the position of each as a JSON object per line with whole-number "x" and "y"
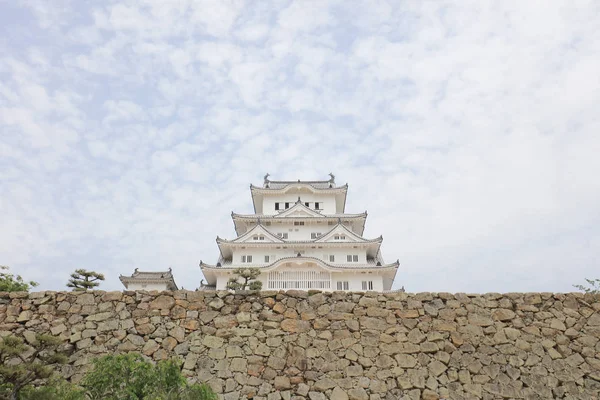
{"x": 469, "y": 131}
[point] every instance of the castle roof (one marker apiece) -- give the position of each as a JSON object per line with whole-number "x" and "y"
{"x": 209, "y": 270}
{"x": 278, "y": 187}
{"x": 144, "y": 277}
{"x": 351, "y": 239}
{"x": 299, "y": 212}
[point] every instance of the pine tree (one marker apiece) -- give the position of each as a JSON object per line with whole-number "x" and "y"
{"x": 82, "y": 279}
{"x": 249, "y": 276}
{"x": 22, "y": 364}
{"x": 592, "y": 288}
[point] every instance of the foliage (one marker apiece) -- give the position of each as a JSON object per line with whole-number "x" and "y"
{"x": 55, "y": 389}
{"x": 593, "y": 288}
{"x": 82, "y": 279}
{"x": 13, "y": 283}
{"x": 22, "y": 364}
{"x": 248, "y": 275}
{"x": 131, "y": 377}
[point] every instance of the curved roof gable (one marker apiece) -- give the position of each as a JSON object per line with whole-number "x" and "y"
{"x": 318, "y": 261}
{"x": 248, "y": 236}
{"x": 257, "y": 230}
{"x": 350, "y": 236}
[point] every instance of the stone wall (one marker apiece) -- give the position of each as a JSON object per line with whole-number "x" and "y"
{"x": 361, "y": 346}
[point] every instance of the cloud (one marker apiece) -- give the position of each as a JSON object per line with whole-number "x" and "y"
{"x": 130, "y": 130}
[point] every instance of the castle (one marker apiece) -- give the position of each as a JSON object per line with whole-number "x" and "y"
{"x": 300, "y": 237}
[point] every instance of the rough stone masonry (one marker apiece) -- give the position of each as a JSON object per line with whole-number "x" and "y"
{"x": 311, "y": 345}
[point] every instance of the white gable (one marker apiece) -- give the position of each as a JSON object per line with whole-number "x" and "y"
{"x": 340, "y": 234}
{"x": 258, "y": 234}
{"x": 299, "y": 210}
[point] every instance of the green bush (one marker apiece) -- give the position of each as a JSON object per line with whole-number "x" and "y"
{"x": 120, "y": 377}
{"x": 56, "y": 389}
{"x": 131, "y": 377}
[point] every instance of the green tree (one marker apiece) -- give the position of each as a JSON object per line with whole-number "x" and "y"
{"x": 55, "y": 389}
{"x": 82, "y": 279}
{"x": 131, "y": 377}
{"x": 13, "y": 283}
{"x": 22, "y": 364}
{"x": 593, "y": 288}
{"x": 248, "y": 275}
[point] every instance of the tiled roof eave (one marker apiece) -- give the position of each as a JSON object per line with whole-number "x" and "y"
{"x": 298, "y": 242}
{"x": 134, "y": 279}
{"x": 276, "y": 216}
{"x": 392, "y": 266}
{"x": 260, "y": 189}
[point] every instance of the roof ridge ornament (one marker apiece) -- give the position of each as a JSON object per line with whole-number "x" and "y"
{"x": 298, "y": 201}
{"x": 332, "y": 180}
{"x": 266, "y": 180}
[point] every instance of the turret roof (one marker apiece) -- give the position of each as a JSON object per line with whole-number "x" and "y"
{"x": 328, "y": 184}
{"x": 277, "y": 187}
{"x": 320, "y": 239}
{"x": 150, "y": 277}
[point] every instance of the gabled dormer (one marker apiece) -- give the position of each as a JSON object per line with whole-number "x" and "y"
{"x": 258, "y": 234}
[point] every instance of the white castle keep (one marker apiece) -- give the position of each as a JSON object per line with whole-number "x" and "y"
{"x": 301, "y": 238}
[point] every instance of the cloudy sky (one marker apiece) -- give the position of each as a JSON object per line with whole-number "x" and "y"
{"x": 469, "y": 130}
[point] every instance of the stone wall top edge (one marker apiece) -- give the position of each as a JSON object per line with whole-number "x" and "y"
{"x": 291, "y": 293}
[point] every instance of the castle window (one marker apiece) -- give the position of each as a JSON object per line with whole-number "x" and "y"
{"x": 343, "y": 285}
{"x": 287, "y": 205}
{"x": 367, "y": 285}
{"x": 352, "y": 258}
{"x": 315, "y": 235}
{"x": 276, "y": 206}
{"x": 317, "y": 206}
{"x": 282, "y": 235}
{"x": 332, "y": 258}
{"x": 267, "y": 258}
{"x": 299, "y": 280}
{"x": 307, "y": 204}
{"x": 298, "y": 223}
{"x": 246, "y": 259}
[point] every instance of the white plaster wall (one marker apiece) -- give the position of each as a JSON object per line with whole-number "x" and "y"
{"x": 327, "y": 200}
{"x": 299, "y": 232}
{"x": 149, "y": 286}
{"x": 354, "y": 280}
{"x": 222, "y": 281}
{"x": 258, "y": 254}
